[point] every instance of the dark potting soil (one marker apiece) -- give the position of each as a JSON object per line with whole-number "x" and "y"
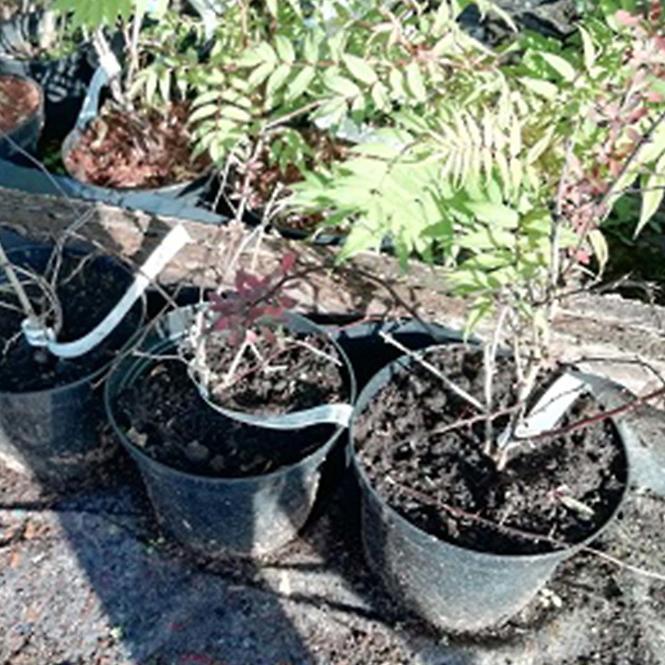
{"x": 445, "y": 485}
{"x": 166, "y": 418}
{"x": 86, "y": 293}
{"x": 19, "y": 99}
{"x": 307, "y": 372}
{"x": 140, "y": 151}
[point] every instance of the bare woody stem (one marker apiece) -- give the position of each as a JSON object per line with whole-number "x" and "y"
{"x": 603, "y": 208}
{"x": 16, "y": 285}
{"x": 134, "y": 49}
{"x": 430, "y": 368}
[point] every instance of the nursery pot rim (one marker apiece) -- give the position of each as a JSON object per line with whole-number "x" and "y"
{"x": 106, "y": 367}
{"x": 38, "y": 110}
{"x": 132, "y": 448}
{"x": 289, "y": 317}
{"x": 369, "y": 391}
{"x": 72, "y": 140}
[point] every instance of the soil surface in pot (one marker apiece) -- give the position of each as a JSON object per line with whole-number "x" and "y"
{"x": 145, "y": 150}
{"x": 435, "y": 474}
{"x": 19, "y": 99}
{"x": 86, "y": 291}
{"x": 166, "y": 418}
{"x": 303, "y": 372}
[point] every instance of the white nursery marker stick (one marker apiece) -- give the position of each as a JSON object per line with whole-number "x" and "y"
{"x": 547, "y": 411}
{"x": 552, "y": 406}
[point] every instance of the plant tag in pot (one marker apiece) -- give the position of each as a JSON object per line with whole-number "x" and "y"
{"x": 551, "y": 407}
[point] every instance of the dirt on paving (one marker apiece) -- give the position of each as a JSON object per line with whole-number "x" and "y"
{"x": 89, "y": 579}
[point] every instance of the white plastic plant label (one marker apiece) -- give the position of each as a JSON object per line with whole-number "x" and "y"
{"x": 91, "y": 102}
{"x": 109, "y": 63}
{"x": 330, "y": 414}
{"x": 551, "y": 407}
{"x": 174, "y": 241}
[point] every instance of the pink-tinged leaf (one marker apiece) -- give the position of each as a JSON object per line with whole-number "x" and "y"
{"x": 626, "y": 18}
{"x": 637, "y": 115}
{"x": 252, "y": 316}
{"x": 225, "y": 308}
{"x": 236, "y": 337}
{"x": 583, "y": 256}
{"x": 633, "y": 134}
{"x": 215, "y": 298}
{"x": 615, "y": 167}
{"x": 270, "y": 336}
{"x": 288, "y": 262}
{"x": 654, "y": 97}
{"x": 270, "y": 311}
{"x": 246, "y": 282}
{"x": 287, "y": 302}
{"x": 613, "y": 110}
{"x": 222, "y": 324}
{"x": 251, "y": 337}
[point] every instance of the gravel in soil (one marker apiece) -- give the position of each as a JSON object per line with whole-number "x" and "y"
{"x": 563, "y": 488}
{"x": 19, "y": 99}
{"x": 165, "y": 417}
{"x": 145, "y": 150}
{"x": 86, "y": 290}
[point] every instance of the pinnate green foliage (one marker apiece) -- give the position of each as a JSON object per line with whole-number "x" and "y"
{"x": 357, "y": 66}
{"x": 521, "y": 152}
{"x": 171, "y": 48}
{"x": 95, "y": 14}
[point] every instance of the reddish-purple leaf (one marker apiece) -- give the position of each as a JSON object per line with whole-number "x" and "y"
{"x": 288, "y": 262}
{"x": 287, "y": 302}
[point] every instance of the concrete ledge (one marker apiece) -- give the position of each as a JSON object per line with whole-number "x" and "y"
{"x": 607, "y": 326}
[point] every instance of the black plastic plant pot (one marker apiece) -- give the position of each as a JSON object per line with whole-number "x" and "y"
{"x": 64, "y": 80}
{"x": 453, "y": 588}
{"x": 369, "y": 352}
{"x": 56, "y": 434}
{"x": 24, "y": 137}
{"x": 192, "y": 190}
{"x": 247, "y": 516}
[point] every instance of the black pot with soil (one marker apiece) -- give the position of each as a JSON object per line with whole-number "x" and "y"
{"x": 220, "y": 486}
{"x": 64, "y": 79}
{"x": 463, "y": 544}
{"x": 21, "y": 115}
{"x": 114, "y": 153}
{"x": 51, "y": 410}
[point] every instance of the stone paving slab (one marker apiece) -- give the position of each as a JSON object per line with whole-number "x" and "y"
{"x": 88, "y": 579}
